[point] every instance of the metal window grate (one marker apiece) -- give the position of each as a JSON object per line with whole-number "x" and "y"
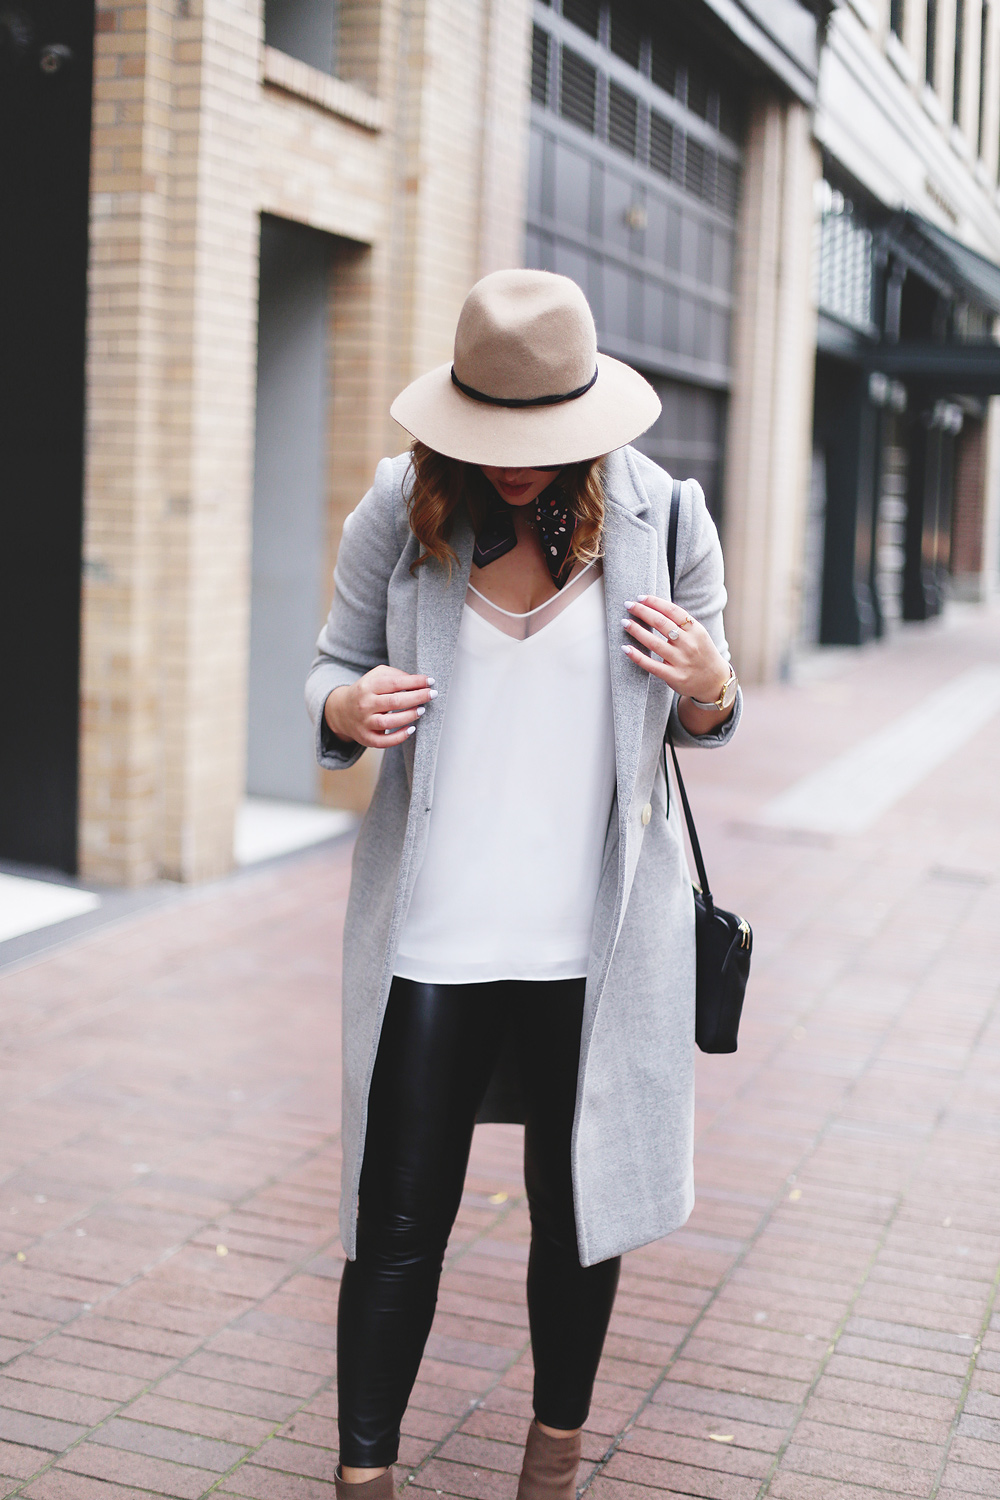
{"x": 578, "y": 91}
{"x": 625, "y": 34}
{"x": 623, "y": 119}
{"x": 633, "y": 193}
{"x": 702, "y": 100}
{"x": 845, "y": 261}
{"x": 727, "y": 185}
{"x": 665, "y": 67}
{"x": 699, "y": 173}
{"x": 540, "y": 65}
{"x": 662, "y": 146}
{"x": 584, "y": 13}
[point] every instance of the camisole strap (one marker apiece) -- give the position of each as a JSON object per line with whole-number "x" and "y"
{"x": 520, "y": 626}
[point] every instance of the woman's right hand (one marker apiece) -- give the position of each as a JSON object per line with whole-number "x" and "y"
{"x": 380, "y": 709}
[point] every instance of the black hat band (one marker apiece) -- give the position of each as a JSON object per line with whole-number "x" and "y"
{"x": 468, "y": 390}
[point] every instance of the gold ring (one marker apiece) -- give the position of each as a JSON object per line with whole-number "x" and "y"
{"x": 687, "y": 620}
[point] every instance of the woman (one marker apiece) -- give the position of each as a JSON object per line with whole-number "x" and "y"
{"x": 520, "y": 908}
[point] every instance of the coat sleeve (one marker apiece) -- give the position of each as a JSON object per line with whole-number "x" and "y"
{"x": 353, "y": 639}
{"x": 699, "y": 588}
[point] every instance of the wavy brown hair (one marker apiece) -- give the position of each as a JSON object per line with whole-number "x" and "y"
{"x": 442, "y": 485}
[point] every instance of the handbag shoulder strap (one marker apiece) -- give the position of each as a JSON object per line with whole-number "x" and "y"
{"x": 675, "y": 506}
{"x": 675, "y": 510}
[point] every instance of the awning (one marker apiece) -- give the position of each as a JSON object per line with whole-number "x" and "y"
{"x": 941, "y": 260}
{"x": 784, "y": 35}
{"x": 959, "y": 367}
{"x": 945, "y": 369}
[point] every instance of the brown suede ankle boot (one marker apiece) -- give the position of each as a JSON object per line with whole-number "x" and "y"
{"x": 549, "y": 1468}
{"x": 379, "y": 1488}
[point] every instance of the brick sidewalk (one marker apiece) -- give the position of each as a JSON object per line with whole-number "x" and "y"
{"x": 824, "y": 1327}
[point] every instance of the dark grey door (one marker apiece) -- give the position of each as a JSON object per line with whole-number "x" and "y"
{"x": 288, "y": 505}
{"x": 45, "y": 87}
{"x": 633, "y": 189}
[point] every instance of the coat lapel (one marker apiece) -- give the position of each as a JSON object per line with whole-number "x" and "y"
{"x": 629, "y": 570}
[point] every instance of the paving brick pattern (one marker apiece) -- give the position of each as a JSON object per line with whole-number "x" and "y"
{"x": 823, "y": 1329}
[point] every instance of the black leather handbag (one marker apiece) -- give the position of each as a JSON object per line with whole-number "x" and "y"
{"x": 724, "y": 940}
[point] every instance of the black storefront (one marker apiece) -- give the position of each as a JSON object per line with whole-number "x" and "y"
{"x": 905, "y": 363}
{"x": 46, "y": 49}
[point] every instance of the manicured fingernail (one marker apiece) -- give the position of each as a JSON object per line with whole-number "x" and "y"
{"x": 412, "y": 729}
{"x": 630, "y": 604}
{"x": 626, "y": 623}
{"x": 431, "y": 681}
{"x": 421, "y": 711}
{"x": 434, "y": 693}
{"x": 643, "y": 598}
{"x": 627, "y": 650}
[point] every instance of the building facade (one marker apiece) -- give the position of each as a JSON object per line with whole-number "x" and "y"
{"x": 671, "y": 173}
{"x": 904, "y": 486}
{"x": 787, "y": 220}
{"x": 332, "y": 178}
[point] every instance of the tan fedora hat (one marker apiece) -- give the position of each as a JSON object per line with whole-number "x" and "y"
{"x": 527, "y": 387}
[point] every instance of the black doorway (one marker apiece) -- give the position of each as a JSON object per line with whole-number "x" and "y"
{"x": 46, "y": 49}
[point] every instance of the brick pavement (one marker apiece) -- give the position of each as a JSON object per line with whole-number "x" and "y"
{"x": 823, "y": 1329}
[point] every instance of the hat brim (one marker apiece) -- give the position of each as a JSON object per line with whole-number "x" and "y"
{"x": 618, "y": 407}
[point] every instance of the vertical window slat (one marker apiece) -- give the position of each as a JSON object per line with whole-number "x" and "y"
{"x": 623, "y": 115}
{"x": 540, "y": 65}
{"x": 578, "y": 91}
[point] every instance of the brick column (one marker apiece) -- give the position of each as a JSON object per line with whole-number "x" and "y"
{"x": 991, "y": 503}
{"x": 121, "y": 752}
{"x": 170, "y": 439}
{"x": 506, "y": 118}
{"x": 975, "y": 522}
{"x": 209, "y": 424}
{"x": 770, "y": 411}
{"x": 967, "y": 511}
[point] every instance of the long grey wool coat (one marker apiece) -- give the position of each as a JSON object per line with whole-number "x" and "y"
{"x": 633, "y": 1129}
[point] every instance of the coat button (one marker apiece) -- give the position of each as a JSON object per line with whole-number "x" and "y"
{"x": 647, "y": 813}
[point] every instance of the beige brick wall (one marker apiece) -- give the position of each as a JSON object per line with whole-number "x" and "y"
{"x": 503, "y": 174}
{"x": 126, "y": 484}
{"x": 190, "y": 146}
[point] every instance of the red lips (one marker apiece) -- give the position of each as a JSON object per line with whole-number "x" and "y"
{"x": 512, "y": 491}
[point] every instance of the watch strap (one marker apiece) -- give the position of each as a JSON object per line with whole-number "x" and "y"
{"x": 719, "y": 703}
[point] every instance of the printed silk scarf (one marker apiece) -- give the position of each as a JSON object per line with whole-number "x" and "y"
{"x": 555, "y": 523}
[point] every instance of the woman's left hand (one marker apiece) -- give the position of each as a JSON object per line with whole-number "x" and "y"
{"x": 691, "y": 663}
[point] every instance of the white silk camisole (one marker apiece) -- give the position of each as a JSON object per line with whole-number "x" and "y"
{"x": 522, "y": 795}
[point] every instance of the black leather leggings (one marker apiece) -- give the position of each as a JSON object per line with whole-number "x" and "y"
{"x": 438, "y": 1048}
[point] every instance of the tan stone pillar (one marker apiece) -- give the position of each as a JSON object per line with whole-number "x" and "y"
{"x": 209, "y": 425}
{"x": 990, "y": 579}
{"x": 506, "y": 119}
{"x": 770, "y": 410}
{"x": 170, "y": 441}
{"x": 125, "y": 495}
